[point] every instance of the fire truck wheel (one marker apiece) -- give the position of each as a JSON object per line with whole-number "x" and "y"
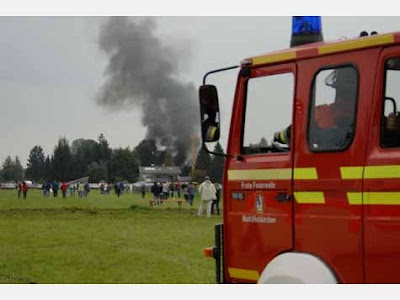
{"x": 295, "y": 267}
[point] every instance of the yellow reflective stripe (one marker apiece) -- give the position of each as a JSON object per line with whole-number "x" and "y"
{"x": 309, "y": 197}
{"x": 260, "y": 174}
{"x": 357, "y": 44}
{"x": 354, "y": 198}
{"x": 382, "y": 198}
{"x": 374, "y": 198}
{"x": 305, "y": 173}
{"x": 271, "y": 58}
{"x": 382, "y": 172}
{"x": 351, "y": 172}
{"x": 269, "y": 174}
{"x": 371, "y": 172}
{"x": 244, "y": 274}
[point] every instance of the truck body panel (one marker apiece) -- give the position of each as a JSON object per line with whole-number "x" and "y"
{"x": 339, "y": 201}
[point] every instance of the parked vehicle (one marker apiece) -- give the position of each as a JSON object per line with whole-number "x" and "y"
{"x": 311, "y": 184}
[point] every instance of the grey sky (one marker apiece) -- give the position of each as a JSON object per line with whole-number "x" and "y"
{"x": 51, "y": 69}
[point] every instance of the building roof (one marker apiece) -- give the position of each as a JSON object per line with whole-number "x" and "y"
{"x": 81, "y": 180}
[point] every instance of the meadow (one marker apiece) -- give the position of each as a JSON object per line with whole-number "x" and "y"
{"x": 102, "y": 239}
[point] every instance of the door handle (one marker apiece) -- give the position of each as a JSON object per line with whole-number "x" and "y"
{"x": 283, "y": 197}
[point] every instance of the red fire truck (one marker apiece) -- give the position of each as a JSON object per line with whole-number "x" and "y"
{"x": 311, "y": 184}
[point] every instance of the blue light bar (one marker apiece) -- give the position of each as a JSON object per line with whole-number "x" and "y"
{"x": 306, "y": 30}
{"x": 306, "y": 25}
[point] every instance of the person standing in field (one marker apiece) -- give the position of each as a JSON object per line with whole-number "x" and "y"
{"x": 160, "y": 193}
{"x": 110, "y": 187}
{"x": 18, "y": 186}
{"x": 165, "y": 190}
{"x": 44, "y": 189}
{"x": 208, "y": 194}
{"x": 175, "y": 190}
{"x": 80, "y": 189}
{"x": 55, "y": 189}
{"x": 143, "y": 190}
{"x": 190, "y": 193}
{"x": 178, "y": 188}
{"x": 121, "y": 187}
{"x": 24, "y": 189}
{"x": 154, "y": 191}
{"x": 64, "y": 189}
{"x": 117, "y": 189}
{"x": 216, "y": 201}
{"x": 47, "y": 189}
{"x": 86, "y": 189}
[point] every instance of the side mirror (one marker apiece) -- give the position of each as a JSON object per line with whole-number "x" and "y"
{"x": 209, "y": 113}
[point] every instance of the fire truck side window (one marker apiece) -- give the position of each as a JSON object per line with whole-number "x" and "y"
{"x": 390, "y": 136}
{"x": 269, "y": 104}
{"x": 333, "y": 109}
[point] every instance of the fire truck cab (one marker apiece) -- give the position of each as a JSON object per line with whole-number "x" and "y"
{"x": 311, "y": 187}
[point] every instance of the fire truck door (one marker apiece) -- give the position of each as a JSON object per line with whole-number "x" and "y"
{"x": 258, "y": 220}
{"x": 381, "y": 196}
{"x": 330, "y": 141}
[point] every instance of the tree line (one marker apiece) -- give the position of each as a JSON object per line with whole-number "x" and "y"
{"x": 87, "y": 157}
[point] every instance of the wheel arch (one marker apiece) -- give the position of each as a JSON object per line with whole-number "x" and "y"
{"x": 297, "y": 267}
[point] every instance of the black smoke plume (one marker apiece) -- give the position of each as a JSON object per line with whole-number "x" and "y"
{"x": 142, "y": 72}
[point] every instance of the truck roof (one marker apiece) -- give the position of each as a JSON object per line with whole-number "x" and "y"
{"x": 323, "y": 48}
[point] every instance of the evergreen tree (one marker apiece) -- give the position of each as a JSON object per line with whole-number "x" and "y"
{"x": 7, "y": 171}
{"x": 217, "y": 164}
{"x": 84, "y": 153}
{"x": 103, "y": 150}
{"x": 36, "y": 164}
{"x": 202, "y": 166}
{"x": 48, "y": 175}
{"x": 19, "y": 170}
{"x": 203, "y": 160}
{"x": 123, "y": 165}
{"x": 97, "y": 172}
{"x": 61, "y": 162}
{"x": 146, "y": 152}
{"x": 12, "y": 170}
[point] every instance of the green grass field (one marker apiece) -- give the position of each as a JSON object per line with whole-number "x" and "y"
{"x": 102, "y": 239}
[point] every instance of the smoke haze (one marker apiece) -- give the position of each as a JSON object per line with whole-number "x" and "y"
{"x": 142, "y": 72}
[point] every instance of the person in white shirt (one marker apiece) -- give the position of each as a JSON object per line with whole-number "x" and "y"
{"x": 208, "y": 193}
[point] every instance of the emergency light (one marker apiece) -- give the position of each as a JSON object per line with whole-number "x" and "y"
{"x": 306, "y": 30}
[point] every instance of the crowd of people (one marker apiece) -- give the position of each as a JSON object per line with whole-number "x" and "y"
{"x": 118, "y": 187}
{"x": 51, "y": 189}
{"x": 80, "y": 189}
{"x": 21, "y": 187}
{"x": 210, "y": 193}
{"x": 164, "y": 190}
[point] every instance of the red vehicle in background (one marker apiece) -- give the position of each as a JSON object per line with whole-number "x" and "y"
{"x": 311, "y": 184}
